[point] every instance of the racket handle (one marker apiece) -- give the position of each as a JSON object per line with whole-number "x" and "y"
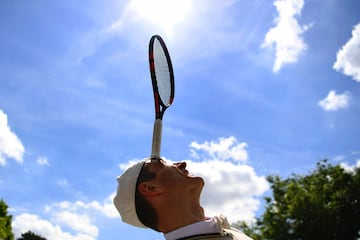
{"x": 156, "y": 141}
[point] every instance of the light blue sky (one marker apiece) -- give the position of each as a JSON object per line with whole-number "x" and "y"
{"x": 262, "y": 87}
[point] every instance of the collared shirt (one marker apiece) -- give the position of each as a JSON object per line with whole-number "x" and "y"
{"x": 203, "y": 227}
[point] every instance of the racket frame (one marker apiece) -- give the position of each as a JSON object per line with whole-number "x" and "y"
{"x": 160, "y": 106}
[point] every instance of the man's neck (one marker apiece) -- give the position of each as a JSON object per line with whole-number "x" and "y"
{"x": 176, "y": 216}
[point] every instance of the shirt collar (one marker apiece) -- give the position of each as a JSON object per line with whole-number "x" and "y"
{"x": 203, "y": 227}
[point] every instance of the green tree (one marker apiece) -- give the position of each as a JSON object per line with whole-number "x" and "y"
{"x": 29, "y": 235}
{"x": 5, "y": 222}
{"x": 322, "y": 205}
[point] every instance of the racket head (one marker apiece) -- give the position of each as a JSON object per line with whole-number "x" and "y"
{"x": 162, "y": 75}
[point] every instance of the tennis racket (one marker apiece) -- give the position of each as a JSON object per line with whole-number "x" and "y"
{"x": 162, "y": 78}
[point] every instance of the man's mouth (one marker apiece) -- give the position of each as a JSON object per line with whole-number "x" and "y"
{"x": 183, "y": 171}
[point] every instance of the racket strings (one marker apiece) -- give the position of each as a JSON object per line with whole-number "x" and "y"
{"x": 162, "y": 73}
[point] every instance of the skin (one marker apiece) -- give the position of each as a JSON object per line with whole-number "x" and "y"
{"x": 174, "y": 194}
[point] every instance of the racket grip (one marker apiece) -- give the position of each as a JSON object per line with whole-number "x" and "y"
{"x": 156, "y": 141}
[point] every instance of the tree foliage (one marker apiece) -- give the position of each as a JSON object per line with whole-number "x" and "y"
{"x": 322, "y": 205}
{"x": 29, "y": 235}
{"x": 5, "y": 222}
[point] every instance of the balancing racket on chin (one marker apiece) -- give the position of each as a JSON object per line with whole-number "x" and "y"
{"x": 162, "y": 77}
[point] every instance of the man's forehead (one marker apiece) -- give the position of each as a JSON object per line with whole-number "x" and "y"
{"x": 156, "y": 162}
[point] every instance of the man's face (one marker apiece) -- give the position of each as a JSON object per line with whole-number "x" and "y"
{"x": 174, "y": 177}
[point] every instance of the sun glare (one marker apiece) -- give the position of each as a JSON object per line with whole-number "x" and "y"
{"x": 164, "y": 13}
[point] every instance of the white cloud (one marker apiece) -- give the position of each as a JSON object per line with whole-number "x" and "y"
{"x": 350, "y": 168}
{"x": 106, "y": 208}
{"x": 25, "y": 222}
{"x": 43, "y": 161}
{"x": 10, "y": 144}
{"x": 67, "y": 220}
{"x": 231, "y": 187}
{"x": 224, "y": 149}
{"x": 334, "y": 102}
{"x": 348, "y": 57}
{"x": 77, "y": 222}
{"x": 286, "y": 36}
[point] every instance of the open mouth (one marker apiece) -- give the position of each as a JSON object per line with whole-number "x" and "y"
{"x": 183, "y": 171}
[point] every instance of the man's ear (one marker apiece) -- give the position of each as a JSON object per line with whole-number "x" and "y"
{"x": 149, "y": 189}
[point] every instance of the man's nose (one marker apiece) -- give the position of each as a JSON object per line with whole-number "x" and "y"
{"x": 181, "y": 165}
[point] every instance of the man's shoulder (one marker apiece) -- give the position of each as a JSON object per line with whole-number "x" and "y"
{"x": 237, "y": 235}
{"x": 230, "y": 234}
{"x": 211, "y": 236}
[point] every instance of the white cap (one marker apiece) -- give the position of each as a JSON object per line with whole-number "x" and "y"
{"x": 125, "y": 197}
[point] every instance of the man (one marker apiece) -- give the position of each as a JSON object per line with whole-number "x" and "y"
{"x": 166, "y": 198}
